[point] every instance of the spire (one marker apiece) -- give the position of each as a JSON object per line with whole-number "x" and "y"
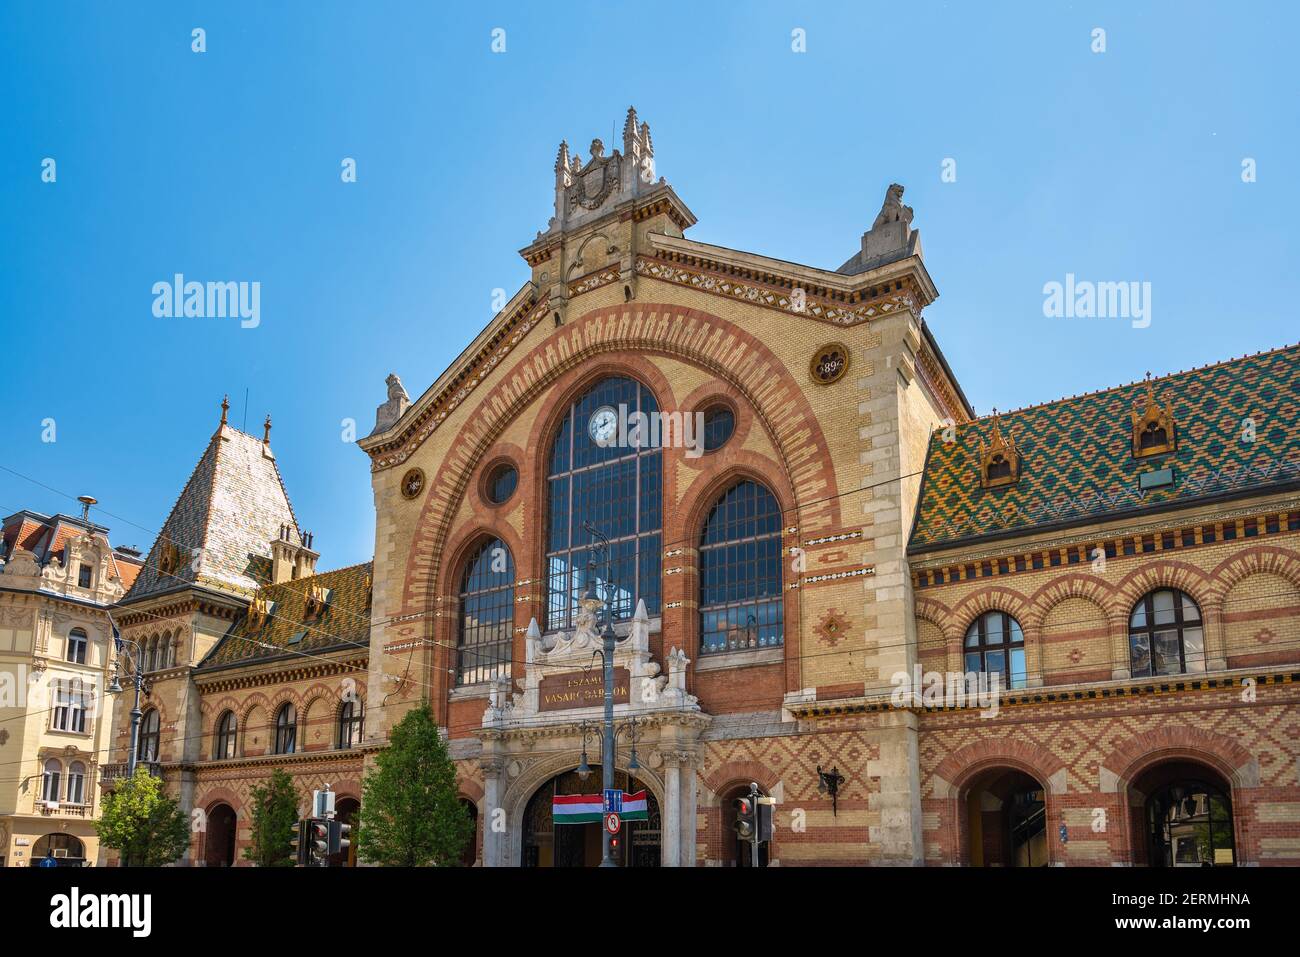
{"x": 562, "y": 157}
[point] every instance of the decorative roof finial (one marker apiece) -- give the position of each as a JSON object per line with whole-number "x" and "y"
{"x": 266, "y": 434}
{"x": 562, "y": 157}
{"x": 225, "y": 408}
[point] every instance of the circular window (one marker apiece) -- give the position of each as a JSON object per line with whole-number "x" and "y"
{"x": 501, "y": 483}
{"x": 829, "y": 363}
{"x": 719, "y": 424}
{"x": 412, "y": 483}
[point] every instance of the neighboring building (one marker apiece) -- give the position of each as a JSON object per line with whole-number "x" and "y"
{"x": 58, "y": 576}
{"x": 252, "y": 659}
{"x": 789, "y": 583}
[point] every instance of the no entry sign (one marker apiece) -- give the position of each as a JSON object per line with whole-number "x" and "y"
{"x": 612, "y": 822}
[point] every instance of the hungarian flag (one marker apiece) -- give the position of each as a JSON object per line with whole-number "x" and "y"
{"x": 576, "y": 808}
{"x": 635, "y": 807}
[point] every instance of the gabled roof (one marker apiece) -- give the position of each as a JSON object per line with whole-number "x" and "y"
{"x": 1077, "y": 462}
{"x": 344, "y": 623}
{"x": 230, "y": 510}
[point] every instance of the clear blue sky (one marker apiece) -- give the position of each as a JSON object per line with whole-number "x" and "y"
{"x": 1120, "y": 166}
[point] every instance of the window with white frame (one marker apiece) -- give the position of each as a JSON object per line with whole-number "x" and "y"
{"x": 77, "y": 646}
{"x": 70, "y": 705}
{"x": 50, "y": 780}
{"x": 76, "y": 783}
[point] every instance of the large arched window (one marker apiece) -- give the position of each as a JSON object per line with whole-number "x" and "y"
{"x": 485, "y": 624}
{"x": 286, "y": 729}
{"x": 227, "y": 725}
{"x": 996, "y": 645}
{"x": 1165, "y": 636}
{"x": 740, "y": 572}
{"x": 50, "y": 780}
{"x": 149, "y": 735}
{"x": 615, "y": 486}
{"x": 350, "y": 723}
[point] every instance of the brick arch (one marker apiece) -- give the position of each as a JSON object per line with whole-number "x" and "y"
{"x": 630, "y": 331}
{"x": 962, "y": 766}
{"x": 937, "y": 614}
{"x": 253, "y": 701}
{"x": 1091, "y": 588}
{"x": 1163, "y": 573}
{"x": 993, "y": 598}
{"x": 469, "y": 789}
{"x": 734, "y": 773}
{"x": 1176, "y": 741}
{"x": 215, "y": 711}
{"x": 1258, "y": 559}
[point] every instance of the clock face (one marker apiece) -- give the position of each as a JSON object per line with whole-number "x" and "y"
{"x": 603, "y": 425}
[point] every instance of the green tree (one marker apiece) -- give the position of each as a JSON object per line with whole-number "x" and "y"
{"x": 275, "y": 818}
{"x": 410, "y": 813}
{"x": 139, "y": 821}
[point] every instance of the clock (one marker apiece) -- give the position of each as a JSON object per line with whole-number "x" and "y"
{"x": 603, "y": 426}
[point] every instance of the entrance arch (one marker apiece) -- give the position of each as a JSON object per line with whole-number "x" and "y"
{"x": 1005, "y": 813}
{"x": 579, "y": 845}
{"x": 67, "y": 849}
{"x": 219, "y": 841}
{"x": 1182, "y": 816}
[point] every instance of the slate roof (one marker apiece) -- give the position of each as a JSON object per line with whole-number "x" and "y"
{"x": 344, "y": 623}
{"x": 1077, "y": 464}
{"x": 232, "y": 507}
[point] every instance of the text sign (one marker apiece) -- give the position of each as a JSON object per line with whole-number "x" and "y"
{"x": 580, "y": 689}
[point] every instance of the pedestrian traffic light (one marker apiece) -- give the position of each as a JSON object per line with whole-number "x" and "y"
{"x": 338, "y": 837}
{"x": 746, "y": 819}
{"x": 319, "y": 839}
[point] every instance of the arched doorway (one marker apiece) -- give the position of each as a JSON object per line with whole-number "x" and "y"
{"x": 470, "y": 854}
{"x": 219, "y": 844}
{"x": 1006, "y": 820}
{"x": 345, "y": 812}
{"x": 579, "y": 845}
{"x": 68, "y": 850}
{"x": 735, "y": 852}
{"x": 1185, "y": 817}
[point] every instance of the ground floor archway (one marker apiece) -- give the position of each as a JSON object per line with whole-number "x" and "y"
{"x": 546, "y": 844}
{"x": 1006, "y": 820}
{"x": 65, "y": 848}
{"x": 1183, "y": 816}
{"x": 220, "y": 836}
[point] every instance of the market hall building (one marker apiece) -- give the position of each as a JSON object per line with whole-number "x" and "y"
{"x": 816, "y": 516}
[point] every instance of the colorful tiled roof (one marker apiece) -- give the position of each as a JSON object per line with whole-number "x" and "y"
{"x": 345, "y": 621}
{"x": 1077, "y": 462}
{"x": 231, "y": 509}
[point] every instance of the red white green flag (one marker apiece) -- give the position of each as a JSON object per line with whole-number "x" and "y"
{"x": 635, "y": 807}
{"x": 576, "y": 808}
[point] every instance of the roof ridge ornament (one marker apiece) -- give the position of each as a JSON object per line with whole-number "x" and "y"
{"x": 1154, "y": 428}
{"x": 1000, "y": 459}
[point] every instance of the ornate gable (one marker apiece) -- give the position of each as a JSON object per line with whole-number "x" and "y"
{"x": 1000, "y": 459}
{"x": 1153, "y": 427}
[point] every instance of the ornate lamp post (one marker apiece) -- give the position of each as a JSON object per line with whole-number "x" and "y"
{"x": 115, "y": 687}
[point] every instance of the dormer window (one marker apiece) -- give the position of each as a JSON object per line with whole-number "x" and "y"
{"x": 1153, "y": 427}
{"x": 318, "y": 597}
{"x": 83, "y": 576}
{"x": 258, "y": 610}
{"x": 1000, "y": 459}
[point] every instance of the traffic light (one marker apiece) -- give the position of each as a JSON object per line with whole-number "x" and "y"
{"x": 301, "y": 844}
{"x": 318, "y": 830}
{"x": 746, "y": 819}
{"x": 766, "y": 807}
{"x": 338, "y": 837}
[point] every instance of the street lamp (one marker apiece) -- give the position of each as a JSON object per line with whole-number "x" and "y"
{"x": 115, "y": 687}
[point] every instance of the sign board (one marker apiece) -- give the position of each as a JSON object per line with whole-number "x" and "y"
{"x": 612, "y": 823}
{"x": 322, "y": 803}
{"x": 614, "y": 801}
{"x": 580, "y": 689}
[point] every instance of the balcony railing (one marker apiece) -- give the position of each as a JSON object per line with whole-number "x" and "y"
{"x": 111, "y": 773}
{"x": 62, "y": 809}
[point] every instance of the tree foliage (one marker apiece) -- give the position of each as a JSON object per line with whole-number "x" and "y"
{"x": 145, "y": 826}
{"x": 411, "y": 815}
{"x": 274, "y": 820}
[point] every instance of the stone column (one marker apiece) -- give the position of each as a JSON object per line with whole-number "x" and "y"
{"x": 494, "y": 848}
{"x": 672, "y": 822}
{"x": 690, "y": 787}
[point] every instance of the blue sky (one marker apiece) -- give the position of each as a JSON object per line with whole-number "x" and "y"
{"x": 1117, "y": 166}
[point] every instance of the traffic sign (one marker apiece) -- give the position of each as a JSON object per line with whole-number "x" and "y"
{"x": 613, "y": 800}
{"x": 613, "y": 823}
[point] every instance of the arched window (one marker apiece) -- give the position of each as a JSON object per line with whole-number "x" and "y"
{"x": 165, "y": 650}
{"x": 286, "y": 729}
{"x": 147, "y": 749}
{"x": 77, "y": 646}
{"x": 50, "y": 780}
{"x": 1165, "y": 636}
{"x": 350, "y": 716}
{"x": 77, "y": 783}
{"x": 740, "y": 572}
{"x": 605, "y": 470}
{"x": 227, "y": 725}
{"x": 485, "y": 624}
{"x": 996, "y": 645}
